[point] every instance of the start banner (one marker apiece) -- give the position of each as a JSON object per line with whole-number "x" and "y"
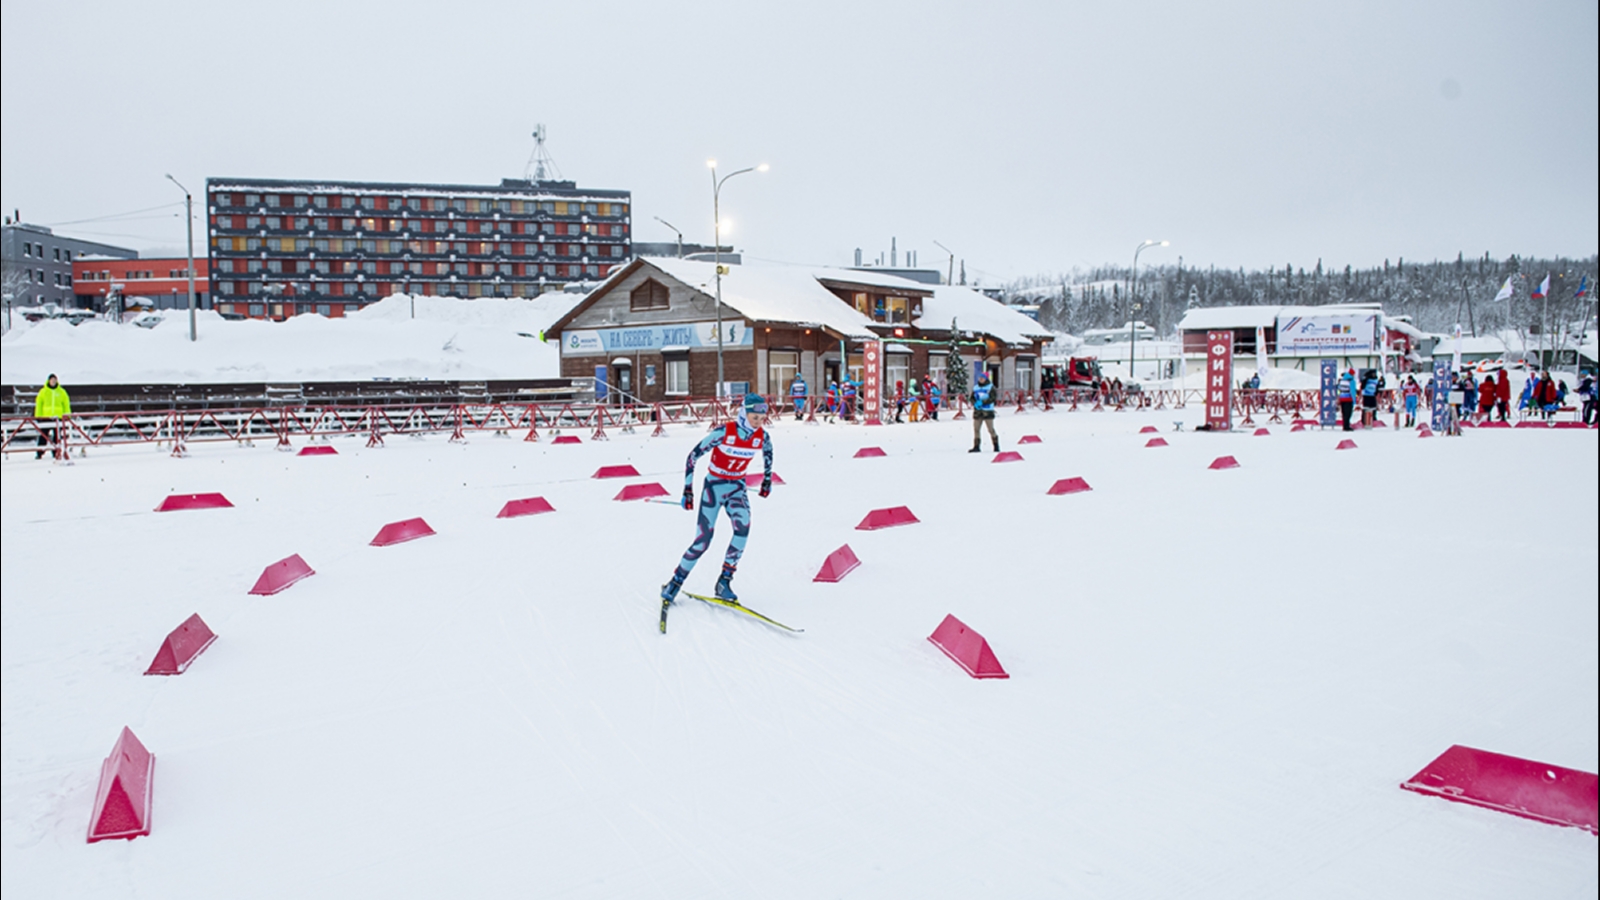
{"x": 1219, "y": 380}
{"x": 1441, "y": 395}
{"x": 1329, "y": 394}
{"x": 871, "y": 393}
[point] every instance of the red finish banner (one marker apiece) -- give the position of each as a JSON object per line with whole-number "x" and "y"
{"x": 1219, "y": 380}
{"x": 871, "y": 387}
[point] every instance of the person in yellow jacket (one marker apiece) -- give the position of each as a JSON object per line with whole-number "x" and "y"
{"x": 50, "y": 408}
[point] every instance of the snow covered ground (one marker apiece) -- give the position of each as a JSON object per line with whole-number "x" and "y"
{"x": 1218, "y": 678}
{"x": 449, "y": 338}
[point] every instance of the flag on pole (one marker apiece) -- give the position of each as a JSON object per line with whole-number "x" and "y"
{"x": 1583, "y": 288}
{"x": 1505, "y": 289}
{"x": 1542, "y": 289}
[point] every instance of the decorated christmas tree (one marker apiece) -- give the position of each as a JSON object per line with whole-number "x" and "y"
{"x": 955, "y": 368}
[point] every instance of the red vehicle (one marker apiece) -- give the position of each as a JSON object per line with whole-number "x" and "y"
{"x": 1080, "y": 375}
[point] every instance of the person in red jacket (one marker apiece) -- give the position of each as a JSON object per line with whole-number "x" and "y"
{"x": 1502, "y": 395}
{"x": 1487, "y": 392}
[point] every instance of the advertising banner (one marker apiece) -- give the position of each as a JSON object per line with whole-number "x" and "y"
{"x": 599, "y": 383}
{"x": 1339, "y": 333}
{"x": 871, "y": 377}
{"x": 1441, "y": 395}
{"x": 648, "y": 338}
{"x": 1219, "y": 380}
{"x": 1329, "y": 394}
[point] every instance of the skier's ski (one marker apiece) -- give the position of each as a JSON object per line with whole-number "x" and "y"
{"x": 664, "y": 604}
{"x": 739, "y": 607}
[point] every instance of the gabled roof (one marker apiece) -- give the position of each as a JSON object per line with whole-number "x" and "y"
{"x": 792, "y": 296}
{"x": 1266, "y": 316}
{"x": 975, "y": 312}
{"x": 796, "y": 295}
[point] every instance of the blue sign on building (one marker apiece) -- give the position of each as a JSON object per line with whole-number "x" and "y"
{"x": 1329, "y": 394}
{"x": 599, "y": 383}
{"x": 1441, "y": 394}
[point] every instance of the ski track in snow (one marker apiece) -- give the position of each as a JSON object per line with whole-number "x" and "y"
{"x": 1218, "y": 678}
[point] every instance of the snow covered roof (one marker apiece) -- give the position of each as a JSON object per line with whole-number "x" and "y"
{"x": 1263, "y": 316}
{"x": 975, "y": 312}
{"x": 786, "y": 294}
{"x": 1475, "y": 346}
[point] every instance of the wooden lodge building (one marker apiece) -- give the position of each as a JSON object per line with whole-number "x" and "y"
{"x": 650, "y": 330}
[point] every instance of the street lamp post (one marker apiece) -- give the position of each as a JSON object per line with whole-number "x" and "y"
{"x": 1133, "y": 281}
{"x": 188, "y": 218}
{"x": 949, "y": 278}
{"x": 674, "y": 228}
{"x": 716, "y": 246}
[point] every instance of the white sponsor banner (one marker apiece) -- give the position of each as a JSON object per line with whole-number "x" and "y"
{"x": 1337, "y": 333}
{"x": 645, "y": 338}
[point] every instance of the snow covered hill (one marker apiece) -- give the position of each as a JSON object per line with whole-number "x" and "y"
{"x": 449, "y": 338}
{"x": 1218, "y": 678}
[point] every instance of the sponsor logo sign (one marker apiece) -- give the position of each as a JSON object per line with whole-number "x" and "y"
{"x": 1341, "y": 333}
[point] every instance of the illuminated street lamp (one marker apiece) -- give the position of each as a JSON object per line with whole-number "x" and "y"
{"x": 716, "y": 254}
{"x": 1133, "y": 282}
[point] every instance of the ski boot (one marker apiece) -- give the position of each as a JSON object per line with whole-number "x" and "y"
{"x": 724, "y": 589}
{"x": 669, "y": 591}
{"x": 976, "y": 446}
{"x": 997, "y": 445}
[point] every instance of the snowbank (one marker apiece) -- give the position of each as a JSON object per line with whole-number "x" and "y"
{"x": 449, "y": 338}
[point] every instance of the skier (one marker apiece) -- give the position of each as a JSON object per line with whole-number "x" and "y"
{"x": 933, "y": 400}
{"x": 983, "y": 397}
{"x": 732, "y": 448}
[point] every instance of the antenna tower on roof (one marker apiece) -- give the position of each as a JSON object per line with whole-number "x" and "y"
{"x": 540, "y": 166}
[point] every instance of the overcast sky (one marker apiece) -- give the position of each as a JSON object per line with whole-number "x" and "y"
{"x": 1027, "y": 137}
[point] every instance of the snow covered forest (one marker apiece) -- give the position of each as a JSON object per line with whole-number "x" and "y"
{"x": 1436, "y": 295}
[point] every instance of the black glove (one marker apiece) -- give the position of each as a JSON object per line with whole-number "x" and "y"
{"x": 688, "y": 497}
{"x": 766, "y": 485}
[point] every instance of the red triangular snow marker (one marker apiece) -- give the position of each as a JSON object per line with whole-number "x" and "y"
{"x": 122, "y": 802}
{"x": 1069, "y": 486}
{"x": 1156, "y": 442}
{"x": 839, "y": 563}
{"x": 181, "y": 647}
{"x": 193, "y": 501}
{"x": 624, "y": 471}
{"x": 641, "y": 492}
{"x": 1030, "y": 439}
{"x": 968, "y": 648}
{"x": 317, "y": 450}
{"x": 1510, "y": 784}
{"x": 754, "y": 479}
{"x": 1262, "y": 432}
{"x": 530, "y": 506}
{"x": 1346, "y": 444}
{"x": 868, "y": 452}
{"x": 1224, "y": 462}
{"x": 281, "y": 574}
{"x": 400, "y": 532}
{"x": 1148, "y": 429}
{"x": 567, "y": 439}
{"x": 1007, "y": 456}
{"x": 887, "y": 518}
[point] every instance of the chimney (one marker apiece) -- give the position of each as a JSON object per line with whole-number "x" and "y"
{"x": 858, "y": 257}
{"x": 894, "y": 254}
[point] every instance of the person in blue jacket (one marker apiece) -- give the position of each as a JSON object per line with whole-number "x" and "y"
{"x": 797, "y": 396}
{"x": 1347, "y": 396}
{"x": 983, "y": 398}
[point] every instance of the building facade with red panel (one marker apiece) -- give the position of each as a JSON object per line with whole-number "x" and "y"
{"x": 158, "y": 283}
{"x": 283, "y": 248}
